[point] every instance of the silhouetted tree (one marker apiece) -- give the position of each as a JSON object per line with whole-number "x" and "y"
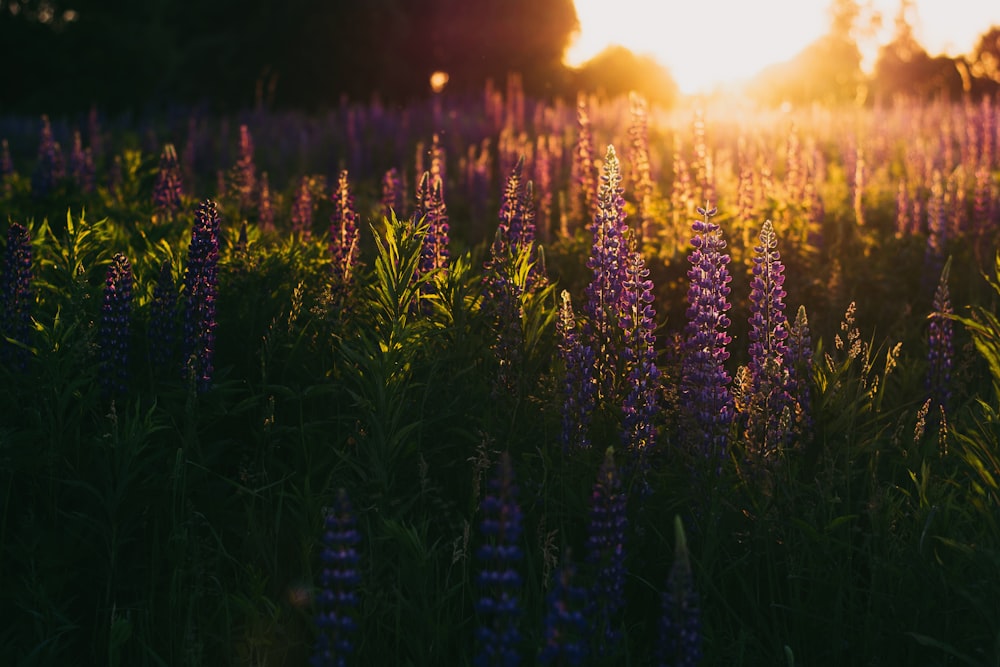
{"x": 617, "y": 71}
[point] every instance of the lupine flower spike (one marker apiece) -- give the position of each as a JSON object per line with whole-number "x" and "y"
{"x": 940, "y": 343}
{"x": 579, "y": 387}
{"x": 565, "y": 633}
{"x": 167, "y": 189}
{"x": 115, "y": 327}
{"x": 337, "y": 596}
{"x": 705, "y": 391}
{"x": 607, "y": 260}
{"x": 769, "y": 405}
{"x": 679, "y": 643}
{"x": 50, "y": 168}
{"x": 201, "y": 285}
{"x": 641, "y": 405}
{"x": 302, "y": 210}
{"x": 499, "y": 582}
{"x": 344, "y": 233}
{"x": 162, "y": 319}
{"x": 17, "y": 297}
{"x": 606, "y": 555}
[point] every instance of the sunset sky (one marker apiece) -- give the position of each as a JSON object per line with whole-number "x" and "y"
{"x": 710, "y": 42}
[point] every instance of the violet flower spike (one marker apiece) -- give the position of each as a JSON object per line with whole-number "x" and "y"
{"x": 498, "y": 606}
{"x": 606, "y": 555}
{"x": 201, "y": 285}
{"x": 940, "y": 343}
{"x": 344, "y": 232}
{"x": 680, "y": 639}
{"x": 705, "y": 381}
{"x": 337, "y": 597}
{"x": 770, "y": 405}
{"x": 18, "y": 297}
{"x": 115, "y": 327}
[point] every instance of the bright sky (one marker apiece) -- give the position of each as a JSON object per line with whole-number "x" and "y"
{"x": 708, "y": 42}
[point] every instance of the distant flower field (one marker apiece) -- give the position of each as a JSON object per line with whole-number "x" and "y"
{"x": 501, "y": 381}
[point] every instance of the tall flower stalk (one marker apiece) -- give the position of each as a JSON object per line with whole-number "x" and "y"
{"x": 769, "y": 405}
{"x": 18, "y": 297}
{"x": 498, "y": 606}
{"x": 641, "y": 404}
{"x": 344, "y": 232}
{"x": 579, "y": 390}
{"x": 940, "y": 343}
{"x": 337, "y": 596}
{"x": 679, "y": 643}
{"x": 168, "y": 188}
{"x": 162, "y": 320}
{"x": 201, "y": 291}
{"x": 608, "y": 256}
{"x": 115, "y": 328}
{"x": 705, "y": 392}
{"x": 565, "y": 632}
{"x": 606, "y": 557}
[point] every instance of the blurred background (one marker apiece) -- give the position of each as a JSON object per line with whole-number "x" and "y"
{"x": 69, "y": 55}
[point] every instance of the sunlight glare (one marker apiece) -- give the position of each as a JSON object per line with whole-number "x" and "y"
{"x": 713, "y": 42}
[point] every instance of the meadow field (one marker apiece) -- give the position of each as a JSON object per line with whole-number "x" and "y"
{"x": 492, "y": 380}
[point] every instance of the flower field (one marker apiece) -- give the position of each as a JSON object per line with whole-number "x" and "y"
{"x": 495, "y": 381}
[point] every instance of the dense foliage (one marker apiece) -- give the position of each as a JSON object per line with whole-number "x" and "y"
{"x": 501, "y": 382}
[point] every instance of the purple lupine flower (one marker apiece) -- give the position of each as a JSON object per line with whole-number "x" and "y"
{"x": 432, "y": 209}
{"x": 201, "y": 291}
{"x": 163, "y": 319}
{"x": 265, "y": 207}
{"x": 642, "y": 182}
{"x": 81, "y": 165}
{"x": 49, "y": 168}
{"x": 167, "y": 188}
{"x": 800, "y": 360}
{"x": 641, "y": 405}
{"x": 115, "y": 327}
{"x": 608, "y": 256}
{"x": 392, "y": 194}
{"x": 244, "y": 172}
{"x": 937, "y": 230}
{"x": 769, "y": 405}
{"x": 606, "y": 556}
{"x": 583, "y": 174}
{"x": 565, "y": 633}
{"x": 705, "y": 392}
{"x": 511, "y": 213}
{"x": 302, "y": 210}
{"x": 337, "y": 595}
{"x": 679, "y": 641}
{"x": 17, "y": 296}
{"x": 940, "y": 343}
{"x": 344, "y": 233}
{"x": 499, "y": 582}
{"x": 579, "y": 387}
{"x": 503, "y": 287}
{"x": 542, "y": 178}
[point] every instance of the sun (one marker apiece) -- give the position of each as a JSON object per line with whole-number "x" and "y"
{"x": 704, "y": 44}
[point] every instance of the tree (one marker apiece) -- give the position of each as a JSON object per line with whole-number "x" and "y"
{"x": 986, "y": 55}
